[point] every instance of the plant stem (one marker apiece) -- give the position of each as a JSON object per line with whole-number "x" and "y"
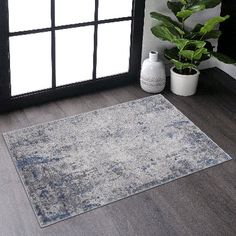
{"x": 183, "y": 26}
{"x": 180, "y": 59}
{"x": 202, "y": 37}
{"x": 190, "y": 69}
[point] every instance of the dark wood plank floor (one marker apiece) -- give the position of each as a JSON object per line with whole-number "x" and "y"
{"x": 201, "y": 204}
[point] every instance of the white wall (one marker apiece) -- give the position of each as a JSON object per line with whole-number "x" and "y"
{"x": 150, "y": 42}
{"x": 229, "y": 69}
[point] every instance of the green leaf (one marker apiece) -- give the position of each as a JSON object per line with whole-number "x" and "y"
{"x": 165, "y": 19}
{"x": 173, "y": 26}
{"x": 188, "y": 54}
{"x": 172, "y": 53}
{"x": 197, "y": 7}
{"x": 209, "y": 48}
{"x": 175, "y": 7}
{"x": 193, "y": 43}
{"x": 214, "y": 34}
{"x": 182, "y": 65}
{"x": 163, "y": 33}
{"x": 209, "y": 3}
{"x": 199, "y": 53}
{"x": 197, "y": 43}
{"x": 212, "y": 23}
{"x": 223, "y": 58}
{"x": 184, "y": 2}
{"x": 192, "y": 36}
{"x": 193, "y": 55}
{"x": 195, "y": 34}
{"x": 181, "y": 43}
{"x": 185, "y": 13}
{"x": 181, "y": 32}
{"x": 197, "y": 28}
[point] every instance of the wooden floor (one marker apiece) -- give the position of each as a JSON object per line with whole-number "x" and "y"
{"x": 201, "y": 204}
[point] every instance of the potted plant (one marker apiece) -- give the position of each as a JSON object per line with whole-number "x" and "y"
{"x": 191, "y": 46}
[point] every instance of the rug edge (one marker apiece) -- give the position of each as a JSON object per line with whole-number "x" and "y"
{"x": 205, "y": 134}
{"x": 21, "y": 179}
{"x": 77, "y": 115}
{"x": 139, "y": 192}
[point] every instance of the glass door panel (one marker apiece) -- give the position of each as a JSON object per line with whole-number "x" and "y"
{"x": 56, "y": 48}
{"x": 29, "y": 14}
{"x": 74, "y": 11}
{"x": 113, "y": 48}
{"x": 109, "y": 9}
{"x": 74, "y": 55}
{"x": 30, "y": 62}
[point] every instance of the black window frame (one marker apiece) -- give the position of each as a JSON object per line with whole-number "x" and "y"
{"x": 8, "y": 102}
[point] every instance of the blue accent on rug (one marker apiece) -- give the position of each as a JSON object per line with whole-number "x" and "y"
{"x": 76, "y": 164}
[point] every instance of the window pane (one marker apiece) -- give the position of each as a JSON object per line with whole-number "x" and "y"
{"x": 114, "y": 8}
{"x": 29, "y": 14}
{"x": 74, "y": 11}
{"x": 30, "y": 58}
{"x": 74, "y": 55}
{"x": 113, "y": 48}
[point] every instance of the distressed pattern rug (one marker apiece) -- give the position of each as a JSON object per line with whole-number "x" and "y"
{"x": 80, "y": 163}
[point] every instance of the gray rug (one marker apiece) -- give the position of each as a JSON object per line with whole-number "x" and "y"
{"x": 76, "y": 164}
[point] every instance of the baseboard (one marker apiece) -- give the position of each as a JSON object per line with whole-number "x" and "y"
{"x": 228, "y": 69}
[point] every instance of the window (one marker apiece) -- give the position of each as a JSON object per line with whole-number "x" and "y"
{"x": 52, "y": 47}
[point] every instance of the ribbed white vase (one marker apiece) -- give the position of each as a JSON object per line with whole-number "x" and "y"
{"x": 153, "y": 76}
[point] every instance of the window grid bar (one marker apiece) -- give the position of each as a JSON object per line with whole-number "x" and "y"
{"x": 12, "y": 34}
{"x": 53, "y": 49}
{"x": 95, "y": 40}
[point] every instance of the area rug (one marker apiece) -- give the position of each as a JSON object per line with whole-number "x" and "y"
{"x": 73, "y": 165}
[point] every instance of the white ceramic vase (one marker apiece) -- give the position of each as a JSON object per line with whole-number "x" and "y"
{"x": 153, "y": 76}
{"x": 184, "y": 85}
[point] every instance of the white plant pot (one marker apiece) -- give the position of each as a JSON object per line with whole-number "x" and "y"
{"x": 184, "y": 85}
